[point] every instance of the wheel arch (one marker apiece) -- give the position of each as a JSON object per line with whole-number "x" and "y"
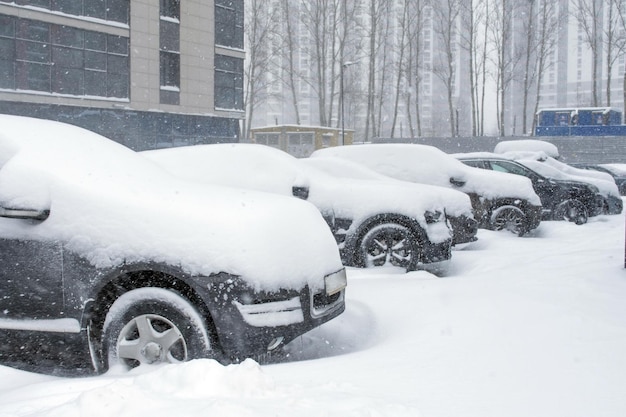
{"x": 141, "y": 276}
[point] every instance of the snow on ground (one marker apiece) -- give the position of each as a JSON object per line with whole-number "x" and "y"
{"x": 532, "y": 327}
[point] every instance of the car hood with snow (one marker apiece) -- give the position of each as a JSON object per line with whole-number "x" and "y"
{"x": 111, "y": 206}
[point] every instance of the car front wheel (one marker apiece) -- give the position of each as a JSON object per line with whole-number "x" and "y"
{"x": 389, "y": 244}
{"x": 153, "y": 326}
{"x": 572, "y": 211}
{"x": 509, "y": 218}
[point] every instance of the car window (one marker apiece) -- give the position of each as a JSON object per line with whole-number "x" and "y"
{"x": 504, "y": 166}
{"x": 475, "y": 164}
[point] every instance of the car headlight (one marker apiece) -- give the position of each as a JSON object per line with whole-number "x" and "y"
{"x": 335, "y": 282}
{"x": 434, "y": 216}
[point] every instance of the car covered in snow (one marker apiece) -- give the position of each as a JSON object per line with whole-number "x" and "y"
{"x": 561, "y": 198}
{"x": 616, "y": 170}
{"x": 609, "y": 200}
{"x": 107, "y": 259}
{"x": 375, "y": 223}
{"x": 457, "y": 205}
{"x": 500, "y": 201}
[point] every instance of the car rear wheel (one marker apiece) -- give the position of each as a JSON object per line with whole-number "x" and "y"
{"x": 153, "y": 326}
{"x": 389, "y": 244}
{"x": 572, "y": 211}
{"x": 509, "y": 218}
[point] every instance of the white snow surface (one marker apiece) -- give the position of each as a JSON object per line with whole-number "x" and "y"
{"x": 428, "y": 165}
{"x": 521, "y": 327}
{"x": 268, "y": 169}
{"x": 111, "y": 206}
{"x": 527, "y": 145}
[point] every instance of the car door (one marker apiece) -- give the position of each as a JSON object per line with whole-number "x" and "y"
{"x": 31, "y": 280}
{"x": 544, "y": 188}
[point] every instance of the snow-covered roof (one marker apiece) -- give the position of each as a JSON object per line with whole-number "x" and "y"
{"x": 527, "y": 145}
{"x": 110, "y": 206}
{"x": 455, "y": 202}
{"x": 429, "y": 165}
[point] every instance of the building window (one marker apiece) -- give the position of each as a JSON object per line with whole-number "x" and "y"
{"x": 229, "y": 23}
{"x": 269, "y": 139}
{"x": 228, "y": 83}
{"x": 169, "y": 51}
{"x": 113, "y": 10}
{"x": 57, "y": 59}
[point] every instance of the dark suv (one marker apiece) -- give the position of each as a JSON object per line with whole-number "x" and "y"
{"x": 570, "y": 200}
{"x": 107, "y": 260}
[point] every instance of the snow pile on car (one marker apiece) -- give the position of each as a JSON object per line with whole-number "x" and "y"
{"x": 429, "y": 165}
{"x": 112, "y": 206}
{"x": 527, "y": 145}
{"x": 264, "y": 168}
{"x": 552, "y": 168}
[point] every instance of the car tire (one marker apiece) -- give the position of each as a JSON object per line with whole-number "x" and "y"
{"x": 573, "y": 211}
{"x": 153, "y": 326}
{"x": 509, "y": 218}
{"x": 389, "y": 244}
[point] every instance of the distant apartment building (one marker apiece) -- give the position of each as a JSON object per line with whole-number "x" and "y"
{"x": 567, "y": 80}
{"x": 145, "y": 73}
{"x": 277, "y": 107}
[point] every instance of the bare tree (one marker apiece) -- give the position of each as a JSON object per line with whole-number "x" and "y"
{"x": 377, "y": 16}
{"x": 414, "y": 68}
{"x": 290, "y": 51}
{"x": 402, "y": 47}
{"x": 588, "y": 15}
{"x": 322, "y": 21}
{"x": 506, "y": 59}
{"x": 549, "y": 22}
{"x": 473, "y": 16}
{"x": 259, "y": 24}
{"x": 614, "y": 40}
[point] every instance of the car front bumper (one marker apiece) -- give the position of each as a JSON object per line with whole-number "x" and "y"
{"x": 464, "y": 229}
{"x": 252, "y": 323}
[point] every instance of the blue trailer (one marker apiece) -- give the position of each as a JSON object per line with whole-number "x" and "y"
{"x": 580, "y": 121}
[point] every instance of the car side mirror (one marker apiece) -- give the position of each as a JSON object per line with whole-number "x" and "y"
{"x": 300, "y": 192}
{"x": 26, "y": 214}
{"x": 456, "y": 182}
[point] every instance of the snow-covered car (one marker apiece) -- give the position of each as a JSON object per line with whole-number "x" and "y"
{"x": 617, "y": 171}
{"x": 107, "y": 259}
{"x": 609, "y": 198}
{"x": 527, "y": 145}
{"x": 500, "y": 201}
{"x": 562, "y": 199}
{"x": 457, "y": 205}
{"x": 375, "y": 223}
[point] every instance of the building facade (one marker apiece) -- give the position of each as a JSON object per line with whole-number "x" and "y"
{"x": 145, "y": 73}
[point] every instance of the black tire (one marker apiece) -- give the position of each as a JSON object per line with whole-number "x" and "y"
{"x": 152, "y": 326}
{"x": 572, "y": 211}
{"x": 386, "y": 244}
{"x": 509, "y": 218}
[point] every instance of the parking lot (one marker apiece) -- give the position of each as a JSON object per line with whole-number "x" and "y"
{"x": 532, "y": 326}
